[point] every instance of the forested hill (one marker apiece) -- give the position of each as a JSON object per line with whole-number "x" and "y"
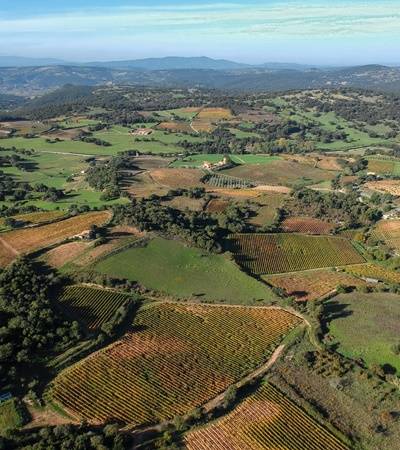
{"x": 36, "y": 80}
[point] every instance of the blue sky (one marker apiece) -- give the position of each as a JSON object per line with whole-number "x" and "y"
{"x": 308, "y": 31}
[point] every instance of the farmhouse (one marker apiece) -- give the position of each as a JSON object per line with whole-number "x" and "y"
{"x": 142, "y": 132}
{"x": 224, "y": 164}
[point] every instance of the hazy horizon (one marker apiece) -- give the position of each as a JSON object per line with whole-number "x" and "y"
{"x": 340, "y": 33}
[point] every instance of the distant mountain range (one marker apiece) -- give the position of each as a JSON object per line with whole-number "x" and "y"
{"x": 29, "y": 79}
{"x": 167, "y": 63}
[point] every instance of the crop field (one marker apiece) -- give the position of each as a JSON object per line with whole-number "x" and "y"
{"x": 91, "y": 306}
{"x": 374, "y": 271}
{"x": 224, "y": 181}
{"x": 389, "y": 232}
{"x": 170, "y": 267}
{"x": 27, "y": 240}
{"x": 367, "y": 327}
{"x": 217, "y": 205}
{"x": 279, "y": 253}
{"x": 177, "y": 178}
{"x": 207, "y": 117}
{"x": 306, "y": 225}
{"x": 281, "y": 172}
{"x": 384, "y": 166}
{"x": 385, "y": 186}
{"x": 197, "y": 161}
{"x": 159, "y": 371}
{"x": 175, "y": 127}
{"x": 312, "y": 285}
{"x": 35, "y": 218}
{"x": 267, "y": 420}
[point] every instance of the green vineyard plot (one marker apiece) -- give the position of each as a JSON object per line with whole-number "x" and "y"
{"x": 91, "y": 306}
{"x": 176, "y": 358}
{"x": 279, "y": 253}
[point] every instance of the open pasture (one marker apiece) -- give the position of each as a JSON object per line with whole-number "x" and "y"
{"x": 312, "y": 285}
{"x": 92, "y": 307}
{"x": 306, "y": 225}
{"x": 170, "y": 267}
{"x": 265, "y": 208}
{"x": 157, "y": 371}
{"x": 280, "y": 253}
{"x": 14, "y": 243}
{"x": 266, "y": 420}
{"x": 366, "y": 326}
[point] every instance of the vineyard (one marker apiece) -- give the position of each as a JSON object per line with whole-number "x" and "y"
{"x": 207, "y": 117}
{"x": 279, "y": 253}
{"x": 307, "y": 225}
{"x": 91, "y": 306}
{"x": 27, "y": 240}
{"x": 265, "y": 421}
{"x": 389, "y": 232}
{"x": 312, "y": 285}
{"x": 376, "y": 272}
{"x": 226, "y": 181}
{"x": 157, "y": 371}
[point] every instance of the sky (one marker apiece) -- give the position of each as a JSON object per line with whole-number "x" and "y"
{"x": 324, "y": 32}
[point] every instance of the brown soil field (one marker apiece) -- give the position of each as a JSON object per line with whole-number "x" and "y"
{"x": 235, "y": 193}
{"x": 258, "y": 116}
{"x": 177, "y": 178}
{"x": 183, "y": 202}
{"x": 281, "y": 172}
{"x": 143, "y": 185}
{"x": 25, "y": 126}
{"x": 217, "y": 205}
{"x": 67, "y": 134}
{"x": 321, "y": 162}
{"x": 30, "y": 239}
{"x": 277, "y": 189}
{"x": 385, "y": 186}
{"x": 307, "y": 225}
{"x": 313, "y": 284}
{"x": 177, "y": 127}
{"x": 65, "y": 253}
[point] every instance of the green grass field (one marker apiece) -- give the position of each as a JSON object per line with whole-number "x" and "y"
{"x": 172, "y": 268}
{"x": 10, "y": 416}
{"x": 196, "y": 161}
{"x": 158, "y": 142}
{"x": 366, "y": 326}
